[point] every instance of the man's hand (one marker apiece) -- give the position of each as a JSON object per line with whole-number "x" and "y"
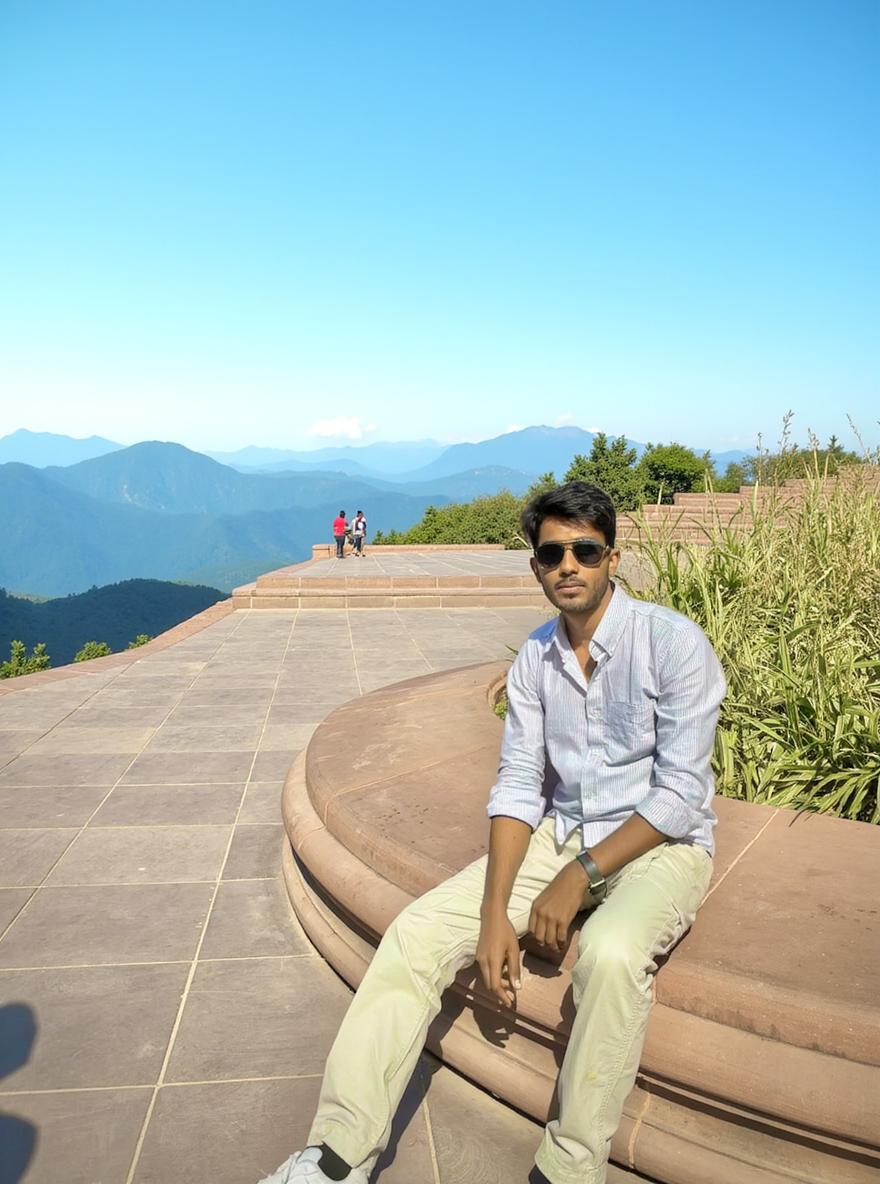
{"x": 498, "y": 955}
{"x": 554, "y": 910}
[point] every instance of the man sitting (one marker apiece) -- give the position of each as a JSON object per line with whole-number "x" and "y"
{"x": 612, "y": 708}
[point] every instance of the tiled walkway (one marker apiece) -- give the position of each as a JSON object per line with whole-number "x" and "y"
{"x": 164, "y": 1020}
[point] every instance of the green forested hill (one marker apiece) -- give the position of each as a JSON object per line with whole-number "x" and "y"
{"x": 115, "y": 614}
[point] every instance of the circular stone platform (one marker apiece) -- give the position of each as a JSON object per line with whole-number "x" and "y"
{"x": 762, "y": 1059}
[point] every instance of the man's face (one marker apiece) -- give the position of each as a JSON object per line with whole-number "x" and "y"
{"x": 570, "y": 587}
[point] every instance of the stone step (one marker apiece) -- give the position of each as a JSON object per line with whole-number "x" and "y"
{"x": 290, "y": 597}
{"x": 283, "y": 578}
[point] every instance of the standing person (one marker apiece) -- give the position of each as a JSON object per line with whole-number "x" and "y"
{"x": 340, "y": 526}
{"x": 359, "y": 533}
{"x": 611, "y": 723}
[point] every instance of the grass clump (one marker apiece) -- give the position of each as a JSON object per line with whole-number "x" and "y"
{"x": 789, "y": 596}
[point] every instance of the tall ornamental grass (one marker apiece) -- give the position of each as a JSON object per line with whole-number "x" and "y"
{"x": 789, "y": 595}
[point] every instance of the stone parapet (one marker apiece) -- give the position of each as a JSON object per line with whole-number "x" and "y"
{"x": 762, "y": 1059}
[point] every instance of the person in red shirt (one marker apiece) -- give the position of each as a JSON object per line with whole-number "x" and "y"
{"x": 340, "y": 526}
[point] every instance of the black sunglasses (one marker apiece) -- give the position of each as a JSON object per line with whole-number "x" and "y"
{"x": 587, "y": 552}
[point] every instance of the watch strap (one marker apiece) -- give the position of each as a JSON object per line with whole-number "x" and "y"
{"x": 598, "y": 885}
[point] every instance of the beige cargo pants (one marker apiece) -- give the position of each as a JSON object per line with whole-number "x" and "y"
{"x": 649, "y": 905}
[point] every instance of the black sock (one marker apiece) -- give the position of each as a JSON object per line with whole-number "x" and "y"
{"x": 331, "y": 1164}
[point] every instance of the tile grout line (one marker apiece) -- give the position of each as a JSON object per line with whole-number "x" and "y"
{"x": 136, "y": 1156}
{"x": 408, "y": 634}
{"x": 145, "y": 883}
{"x": 357, "y": 672}
{"x": 92, "y": 1089}
{"x": 742, "y": 853}
{"x": 432, "y": 1147}
{"x": 81, "y": 830}
{"x": 155, "y": 961}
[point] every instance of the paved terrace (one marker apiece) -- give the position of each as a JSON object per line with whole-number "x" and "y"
{"x": 165, "y": 1019}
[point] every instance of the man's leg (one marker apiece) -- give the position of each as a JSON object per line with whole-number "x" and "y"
{"x": 383, "y": 1033}
{"x": 650, "y": 904}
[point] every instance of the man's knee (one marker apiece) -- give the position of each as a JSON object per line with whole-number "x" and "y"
{"x": 607, "y": 952}
{"x": 420, "y": 935}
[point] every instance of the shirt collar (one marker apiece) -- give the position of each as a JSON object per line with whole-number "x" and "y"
{"x": 608, "y": 631}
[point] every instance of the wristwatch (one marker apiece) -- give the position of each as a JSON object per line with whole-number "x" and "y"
{"x": 598, "y": 886}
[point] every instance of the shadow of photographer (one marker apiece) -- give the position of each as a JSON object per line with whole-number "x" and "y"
{"x": 18, "y": 1138}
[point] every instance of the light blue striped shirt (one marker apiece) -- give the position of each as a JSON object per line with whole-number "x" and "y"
{"x": 637, "y": 737}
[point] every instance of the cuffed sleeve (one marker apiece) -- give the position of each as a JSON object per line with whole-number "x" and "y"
{"x": 518, "y": 789}
{"x": 691, "y": 689}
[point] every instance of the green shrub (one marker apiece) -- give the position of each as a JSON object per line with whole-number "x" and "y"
{"x": 493, "y": 519}
{"x": 21, "y": 662}
{"x": 141, "y": 639}
{"x": 791, "y": 603}
{"x": 92, "y": 649}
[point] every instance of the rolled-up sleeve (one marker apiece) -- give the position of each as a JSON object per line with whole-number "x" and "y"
{"x": 518, "y": 790}
{"x": 691, "y": 689}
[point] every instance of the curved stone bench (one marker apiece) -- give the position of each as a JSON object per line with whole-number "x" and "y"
{"x": 762, "y": 1059}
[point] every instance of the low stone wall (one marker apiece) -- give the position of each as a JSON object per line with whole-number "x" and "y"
{"x": 762, "y": 1059}
{"x": 328, "y": 550}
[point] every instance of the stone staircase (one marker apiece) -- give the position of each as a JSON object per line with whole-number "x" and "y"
{"x": 692, "y": 514}
{"x": 287, "y": 588}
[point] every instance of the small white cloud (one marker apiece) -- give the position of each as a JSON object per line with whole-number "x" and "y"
{"x": 514, "y": 427}
{"x": 343, "y": 428}
{"x": 566, "y": 419}
{"x": 594, "y": 430}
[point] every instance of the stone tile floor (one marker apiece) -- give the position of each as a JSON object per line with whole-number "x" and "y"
{"x": 163, "y": 1018}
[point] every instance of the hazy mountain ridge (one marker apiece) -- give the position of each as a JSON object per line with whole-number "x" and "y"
{"x": 40, "y": 449}
{"x": 60, "y": 540}
{"x": 529, "y": 450}
{"x": 380, "y": 459}
{"x": 115, "y": 614}
{"x": 161, "y": 511}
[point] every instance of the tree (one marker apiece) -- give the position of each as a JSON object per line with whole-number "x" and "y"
{"x": 141, "y": 639}
{"x": 613, "y": 468}
{"x": 494, "y": 519}
{"x": 92, "y": 649}
{"x": 667, "y": 469}
{"x": 545, "y": 482}
{"x": 734, "y": 477}
{"x": 20, "y": 662}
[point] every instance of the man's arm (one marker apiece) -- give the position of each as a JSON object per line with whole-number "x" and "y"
{"x": 518, "y": 788}
{"x": 516, "y": 806}
{"x": 498, "y": 945}
{"x": 691, "y": 688}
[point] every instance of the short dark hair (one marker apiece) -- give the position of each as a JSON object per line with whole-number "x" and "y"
{"x": 575, "y": 502}
{"x": 342, "y": 513}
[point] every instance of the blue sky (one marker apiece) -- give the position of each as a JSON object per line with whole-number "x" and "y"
{"x": 295, "y": 223}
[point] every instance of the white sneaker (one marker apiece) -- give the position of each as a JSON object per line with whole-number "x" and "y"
{"x": 302, "y": 1168}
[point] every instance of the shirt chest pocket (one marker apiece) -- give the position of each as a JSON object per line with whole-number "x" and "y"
{"x": 630, "y": 732}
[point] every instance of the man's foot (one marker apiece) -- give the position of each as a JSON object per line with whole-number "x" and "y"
{"x": 536, "y": 1176}
{"x": 304, "y": 1167}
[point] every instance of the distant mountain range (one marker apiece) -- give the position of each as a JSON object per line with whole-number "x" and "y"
{"x": 115, "y": 614}
{"x": 529, "y": 451}
{"x": 45, "y": 448}
{"x": 160, "y": 511}
{"x": 377, "y": 460}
